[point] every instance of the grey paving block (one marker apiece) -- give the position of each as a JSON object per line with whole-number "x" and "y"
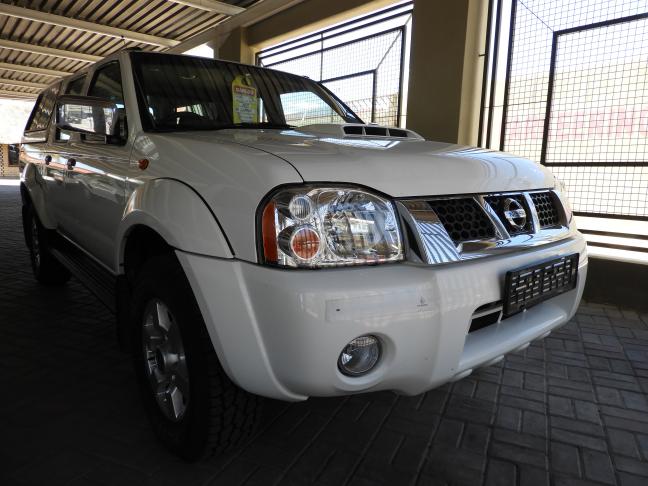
{"x": 565, "y": 459}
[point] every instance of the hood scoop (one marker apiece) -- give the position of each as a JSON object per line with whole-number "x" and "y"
{"x": 359, "y": 130}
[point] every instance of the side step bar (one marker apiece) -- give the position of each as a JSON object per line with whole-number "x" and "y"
{"x": 91, "y": 274}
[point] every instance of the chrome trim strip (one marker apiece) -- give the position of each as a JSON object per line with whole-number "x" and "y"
{"x": 500, "y": 229}
{"x": 432, "y": 237}
{"x": 534, "y": 213}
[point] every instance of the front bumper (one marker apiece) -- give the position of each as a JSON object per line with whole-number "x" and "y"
{"x": 278, "y": 333}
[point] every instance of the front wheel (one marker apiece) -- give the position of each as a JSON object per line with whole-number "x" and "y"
{"x": 195, "y": 409}
{"x": 47, "y": 269}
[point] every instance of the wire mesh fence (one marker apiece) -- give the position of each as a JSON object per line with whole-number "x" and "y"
{"x": 362, "y": 62}
{"x": 576, "y": 99}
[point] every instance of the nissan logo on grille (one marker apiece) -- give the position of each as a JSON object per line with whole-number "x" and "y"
{"x": 514, "y": 213}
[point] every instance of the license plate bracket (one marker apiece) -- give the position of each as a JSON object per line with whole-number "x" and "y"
{"x": 526, "y": 287}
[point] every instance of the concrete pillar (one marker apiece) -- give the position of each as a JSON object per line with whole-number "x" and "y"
{"x": 235, "y": 47}
{"x": 446, "y": 39}
{"x": 473, "y": 72}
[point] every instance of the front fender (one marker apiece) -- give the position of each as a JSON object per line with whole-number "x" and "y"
{"x": 178, "y": 214}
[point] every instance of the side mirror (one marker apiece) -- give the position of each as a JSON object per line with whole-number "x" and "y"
{"x": 87, "y": 114}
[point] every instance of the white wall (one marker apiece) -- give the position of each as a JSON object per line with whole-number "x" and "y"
{"x": 13, "y": 117}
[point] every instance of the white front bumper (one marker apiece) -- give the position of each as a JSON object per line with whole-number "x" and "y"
{"x": 279, "y": 333}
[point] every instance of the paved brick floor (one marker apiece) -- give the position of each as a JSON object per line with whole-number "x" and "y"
{"x": 570, "y": 410}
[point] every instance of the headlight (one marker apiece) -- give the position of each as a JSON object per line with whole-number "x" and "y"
{"x": 331, "y": 226}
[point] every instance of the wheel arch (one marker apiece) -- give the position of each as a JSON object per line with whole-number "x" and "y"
{"x": 177, "y": 214}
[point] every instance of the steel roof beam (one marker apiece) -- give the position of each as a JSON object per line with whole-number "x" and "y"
{"x": 19, "y": 68}
{"x": 17, "y": 95}
{"x": 22, "y": 84}
{"x": 212, "y": 6}
{"x": 256, "y": 13}
{"x": 61, "y": 21}
{"x": 47, "y": 51}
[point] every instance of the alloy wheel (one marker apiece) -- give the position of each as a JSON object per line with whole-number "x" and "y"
{"x": 165, "y": 360}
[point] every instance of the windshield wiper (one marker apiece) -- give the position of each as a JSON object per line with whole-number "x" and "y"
{"x": 270, "y": 125}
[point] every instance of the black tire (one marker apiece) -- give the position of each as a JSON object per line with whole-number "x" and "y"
{"x": 47, "y": 269}
{"x": 217, "y": 415}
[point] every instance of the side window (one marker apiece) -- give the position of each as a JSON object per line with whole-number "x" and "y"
{"x": 42, "y": 112}
{"x": 74, "y": 87}
{"x": 107, "y": 84}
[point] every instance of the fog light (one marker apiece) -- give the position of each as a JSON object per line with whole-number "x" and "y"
{"x": 359, "y": 356}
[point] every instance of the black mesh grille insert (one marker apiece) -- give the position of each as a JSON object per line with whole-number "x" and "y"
{"x": 545, "y": 204}
{"x": 463, "y": 219}
{"x": 499, "y": 205}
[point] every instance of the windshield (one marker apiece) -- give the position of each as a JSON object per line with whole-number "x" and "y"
{"x": 189, "y": 93}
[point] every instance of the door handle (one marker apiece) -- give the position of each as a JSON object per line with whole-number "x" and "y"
{"x": 71, "y": 163}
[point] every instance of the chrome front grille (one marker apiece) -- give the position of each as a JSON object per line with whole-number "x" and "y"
{"x": 448, "y": 229}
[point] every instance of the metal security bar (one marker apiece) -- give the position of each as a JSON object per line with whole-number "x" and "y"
{"x": 566, "y": 85}
{"x": 361, "y": 61}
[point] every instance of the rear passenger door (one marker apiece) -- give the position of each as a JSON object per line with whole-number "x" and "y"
{"x": 62, "y": 153}
{"x": 95, "y": 184}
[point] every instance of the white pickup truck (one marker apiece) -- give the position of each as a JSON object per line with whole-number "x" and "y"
{"x": 255, "y": 238}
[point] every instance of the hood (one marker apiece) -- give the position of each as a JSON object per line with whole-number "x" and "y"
{"x": 233, "y": 170}
{"x": 396, "y": 166}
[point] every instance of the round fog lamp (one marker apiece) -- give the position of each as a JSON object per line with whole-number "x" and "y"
{"x": 359, "y": 356}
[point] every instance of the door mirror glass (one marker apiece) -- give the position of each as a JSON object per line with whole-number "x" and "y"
{"x": 88, "y": 115}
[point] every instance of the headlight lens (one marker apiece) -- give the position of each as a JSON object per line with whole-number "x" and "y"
{"x": 324, "y": 227}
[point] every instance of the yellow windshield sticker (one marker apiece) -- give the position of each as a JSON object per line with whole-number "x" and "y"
{"x": 244, "y": 100}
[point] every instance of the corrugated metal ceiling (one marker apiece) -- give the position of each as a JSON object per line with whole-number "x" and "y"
{"x": 161, "y": 18}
